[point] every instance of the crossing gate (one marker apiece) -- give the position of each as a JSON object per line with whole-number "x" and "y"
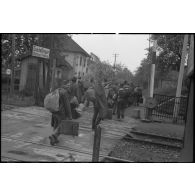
{"x": 164, "y": 109}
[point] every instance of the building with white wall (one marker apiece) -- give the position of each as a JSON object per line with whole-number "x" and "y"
{"x": 76, "y": 56}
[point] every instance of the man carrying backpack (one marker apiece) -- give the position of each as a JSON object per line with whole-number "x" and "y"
{"x": 121, "y": 104}
{"x": 127, "y": 93}
{"x": 96, "y": 95}
{"x": 138, "y": 95}
{"x": 114, "y": 97}
{"x": 63, "y": 113}
{"x": 80, "y": 90}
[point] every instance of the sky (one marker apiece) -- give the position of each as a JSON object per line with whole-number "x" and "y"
{"x": 131, "y": 48}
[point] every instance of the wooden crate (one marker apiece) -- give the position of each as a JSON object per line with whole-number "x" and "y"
{"x": 69, "y": 127}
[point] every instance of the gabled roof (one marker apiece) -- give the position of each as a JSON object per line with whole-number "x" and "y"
{"x": 61, "y": 62}
{"x": 70, "y": 45}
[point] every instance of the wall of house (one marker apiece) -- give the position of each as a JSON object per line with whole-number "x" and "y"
{"x": 24, "y": 71}
{"x": 63, "y": 73}
{"x": 78, "y": 62}
{"x": 41, "y": 75}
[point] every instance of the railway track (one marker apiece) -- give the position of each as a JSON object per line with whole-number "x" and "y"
{"x": 133, "y": 136}
{"x": 169, "y": 142}
{"x": 146, "y": 138}
{"x": 113, "y": 159}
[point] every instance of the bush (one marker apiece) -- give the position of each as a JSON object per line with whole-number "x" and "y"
{"x": 170, "y": 91}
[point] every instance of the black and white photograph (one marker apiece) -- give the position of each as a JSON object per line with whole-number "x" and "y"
{"x": 97, "y": 97}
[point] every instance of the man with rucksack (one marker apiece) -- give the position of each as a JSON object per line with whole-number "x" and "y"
{"x": 114, "y": 97}
{"x": 121, "y": 102}
{"x": 110, "y": 97}
{"x": 138, "y": 95}
{"x": 127, "y": 92}
{"x": 61, "y": 100}
{"x": 80, "y": 90}
{"x": 96, "y": 95}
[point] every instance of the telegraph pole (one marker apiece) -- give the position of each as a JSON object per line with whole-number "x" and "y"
{"x": 37, "y": 90}
{"x": 115, "y": 56}
{"x": 13, "y": 65}
{"x": 52, "y": 63}
{"x": 180, "y": 78}
{"x": 48, "y": 85}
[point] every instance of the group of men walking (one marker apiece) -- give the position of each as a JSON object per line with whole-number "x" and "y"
{"x": 102, "y": 95}
{"x": 122, "y": 96}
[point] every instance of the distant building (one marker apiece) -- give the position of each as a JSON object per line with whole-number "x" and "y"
{"x": 94, "y": 58}
{"x": 76, "y": 56}
{"x": 92, "y": 62}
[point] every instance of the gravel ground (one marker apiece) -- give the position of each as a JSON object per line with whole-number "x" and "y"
{"x": 138, "y": 152}
{"x": 146, "y": 152}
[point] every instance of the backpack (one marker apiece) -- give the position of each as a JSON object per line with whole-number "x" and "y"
{"x": 74, "y": 101}
{"x": 51, "y": 101}
{"x": 121, "y": 93}
{"x": 127, "y": 90}
{"x": 91, "y": 94}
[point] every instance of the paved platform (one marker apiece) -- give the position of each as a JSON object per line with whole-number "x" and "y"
{"x": 166, "y": 129}
{"x": 25, "y": 131}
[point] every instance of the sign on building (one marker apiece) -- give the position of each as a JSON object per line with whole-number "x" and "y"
{"x": 40, "y": 52}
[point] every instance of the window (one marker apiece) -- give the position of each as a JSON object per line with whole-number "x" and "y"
{"x": 76, "y": 60}
{"x": 84, "y": 61}
{"x": 83, "y": 74}
{"x": 86, "y": 70}
{"x": 58, "y": 74}
{"x": 79, "y": 73}
{"x": 80, "y": 61}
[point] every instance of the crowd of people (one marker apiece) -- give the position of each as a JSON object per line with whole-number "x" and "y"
{"x": 102, "y": 95}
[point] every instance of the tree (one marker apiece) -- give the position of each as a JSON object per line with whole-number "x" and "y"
{"x": 103, "y": 70}
{"x": 25, "y": 42}
{"x": 168, "y": 59}
{"x": 142, "y": 73}
{"x": 170, "y": 51}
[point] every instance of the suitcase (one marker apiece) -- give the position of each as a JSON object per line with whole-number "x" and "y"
{"x": 109, "y": 114}
{"x": 69, "y": 127}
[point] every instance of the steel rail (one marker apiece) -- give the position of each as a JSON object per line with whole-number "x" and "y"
{"x": 65, "y": 148}
{"x": 10, "y": 158}
{"x": 157, "y": 136}
{"x": 153, "y": 143}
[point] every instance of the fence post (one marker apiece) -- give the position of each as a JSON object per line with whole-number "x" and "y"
{"x": 180, "y": 79}
{"x": 148, "y": 115}
{"x": 96, "y": 144}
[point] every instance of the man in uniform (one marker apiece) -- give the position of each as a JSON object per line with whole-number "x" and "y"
{"x": 96, "y": 95}
{"x": 64, "y": 113}
{"x": 121, "y": 104}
